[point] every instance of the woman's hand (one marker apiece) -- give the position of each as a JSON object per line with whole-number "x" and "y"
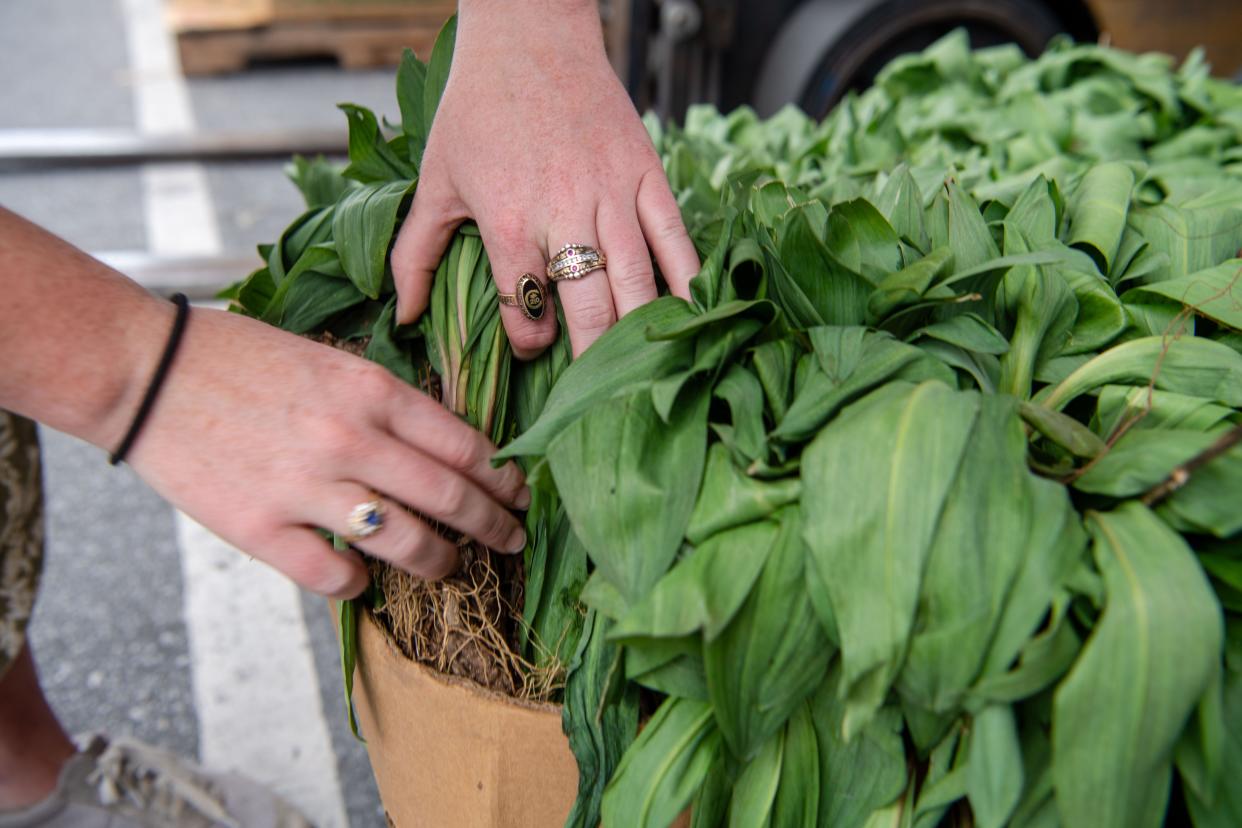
{"x": 260, "y": 435}
{"x": 263, "y": 436}
{"x": 537, "y": 141}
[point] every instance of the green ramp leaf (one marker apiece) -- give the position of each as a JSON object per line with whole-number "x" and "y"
{"x": 621, "y": 360}
{"x": 731, "y": 498}
{"x": 706, "y": 587}
{"x": 860, "y": 775}
{"x": 851, "y": 361}
{"x": 1190, "y": 239}
{"x": 438, "y": 71}
{"x": 875, "y": 482}
{"x": 994, "y": 772}
{"x": 664, "y": 768}
{"x": 773, "y": 654}
{"x": 808, "y": 282}
{"x": 755, "y": 791}
{"x": 1214, "y": 293}
{"x": 1190, "y": 365}
{"x": 629, "y": 482}
{"x": 411, "y": 81}
{"x": 1154, "y": 651}
{"x": 1225, "y": 809}
{"x": 1098, "y": 211}
{"x": 599, "y": 717}
{"x": 1140, "y": 460}
{"x": 797, "y": 797}
{"x": 363, "y": 226}
{"x": 370, "y": 158}
{"x": 985, "y": 532}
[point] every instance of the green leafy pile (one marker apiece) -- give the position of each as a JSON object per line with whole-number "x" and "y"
{"x": 928, "y": 509}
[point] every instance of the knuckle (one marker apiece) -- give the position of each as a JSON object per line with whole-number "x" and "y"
{"x": 594, "y": 314}
{"x": 509, "y": 480}
{"x": 669, "y": 227}
{"x": 321, "y": 574}
{"x": 402, "y": 255}
{"x": 454, "y": 497}
{"x": 508, "y": 232}
{"x": 530, "y": 337}
{"x": 431, "y": 200}
{"x": 338, "y": 580}
{"x": 410, "y": 544}
{"x": 419, "y": 549}
{"x": 499, "y": 525}
{"x": 633, "y": 273}
{"x": 462, "y": 449}
{"x": 254, "y": 531}
{"x": 337, "y": 438}
{"x": 440, "y": 561}
{"x": 373, "y": 381}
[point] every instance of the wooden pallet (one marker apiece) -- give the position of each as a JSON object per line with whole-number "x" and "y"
{"x": 1176, "y": 28}
{"x": 216, "y": 36}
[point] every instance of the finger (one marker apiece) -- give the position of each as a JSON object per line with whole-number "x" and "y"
{"x": 426, "y": 232}
{"x": 420, "y": 422}
{"x": 311, "y": 562}
{"x": 587, "y": 300}
{"x": 513, "y": 251}
{"x": 630, "y": 276}
{"x": 403, "y": 540}
{"x": 666, "y": 233}
{"x": 444, "y": 495}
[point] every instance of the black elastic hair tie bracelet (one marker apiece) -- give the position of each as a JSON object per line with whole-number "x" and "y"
{"x": 157, "y": 380}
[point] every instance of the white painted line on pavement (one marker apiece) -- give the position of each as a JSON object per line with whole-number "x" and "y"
{"x": 253, "y": 672}
{"x": 179, "y": 215}
{"x": 254, "y": 680}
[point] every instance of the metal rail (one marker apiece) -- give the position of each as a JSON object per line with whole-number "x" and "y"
{"x": 199, "y": 277}
{"x": 26, "y": 149}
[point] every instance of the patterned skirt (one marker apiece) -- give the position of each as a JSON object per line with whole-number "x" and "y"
{"x": 21, "y": 531}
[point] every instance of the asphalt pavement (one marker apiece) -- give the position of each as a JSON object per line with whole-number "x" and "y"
{"x": 110, "y": 630}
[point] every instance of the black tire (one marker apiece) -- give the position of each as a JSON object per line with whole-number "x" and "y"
{"x": 902, "y": 26}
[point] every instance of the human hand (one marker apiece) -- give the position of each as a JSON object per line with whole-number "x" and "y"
{"x": 263, "y": 436}
{"x": 537, "y": 141}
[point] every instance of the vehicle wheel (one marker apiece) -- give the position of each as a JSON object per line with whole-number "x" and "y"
{"x": 895, "y": 28}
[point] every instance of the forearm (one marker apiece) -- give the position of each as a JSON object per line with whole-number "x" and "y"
{"x": 523, "y": 9}
{"x": 77, "y": 340}
{"x": 550, "y": 27}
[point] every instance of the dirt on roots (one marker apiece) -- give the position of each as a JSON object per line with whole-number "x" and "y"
{"x": 464, "y": 625}
{"x": 469, "y": 623}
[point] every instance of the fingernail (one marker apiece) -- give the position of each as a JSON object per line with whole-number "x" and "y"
{"x": 522, "y": 501}
{"x": 517, "y": 541}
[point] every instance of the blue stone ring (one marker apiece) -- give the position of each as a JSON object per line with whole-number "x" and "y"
{"x": 365, "y": 520}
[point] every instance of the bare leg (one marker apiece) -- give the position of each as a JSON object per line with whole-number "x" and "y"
{"x": 33, "y": 745}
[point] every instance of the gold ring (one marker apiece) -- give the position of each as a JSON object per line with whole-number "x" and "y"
{"x": 528, "y": 297}
{"x": 365, "y": 520}
{"x": 573, "y": 261}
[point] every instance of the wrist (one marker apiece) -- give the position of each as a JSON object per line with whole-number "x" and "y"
{"x": 91, "y": 383}
{"x": 563, "y": 25}
{"x": 114, "y": 394}
{"x": 78, "y": 341}
{"x": 523, "y": 9}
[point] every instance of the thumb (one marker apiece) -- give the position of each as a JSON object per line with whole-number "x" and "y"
{"x": 426, "y": 232}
